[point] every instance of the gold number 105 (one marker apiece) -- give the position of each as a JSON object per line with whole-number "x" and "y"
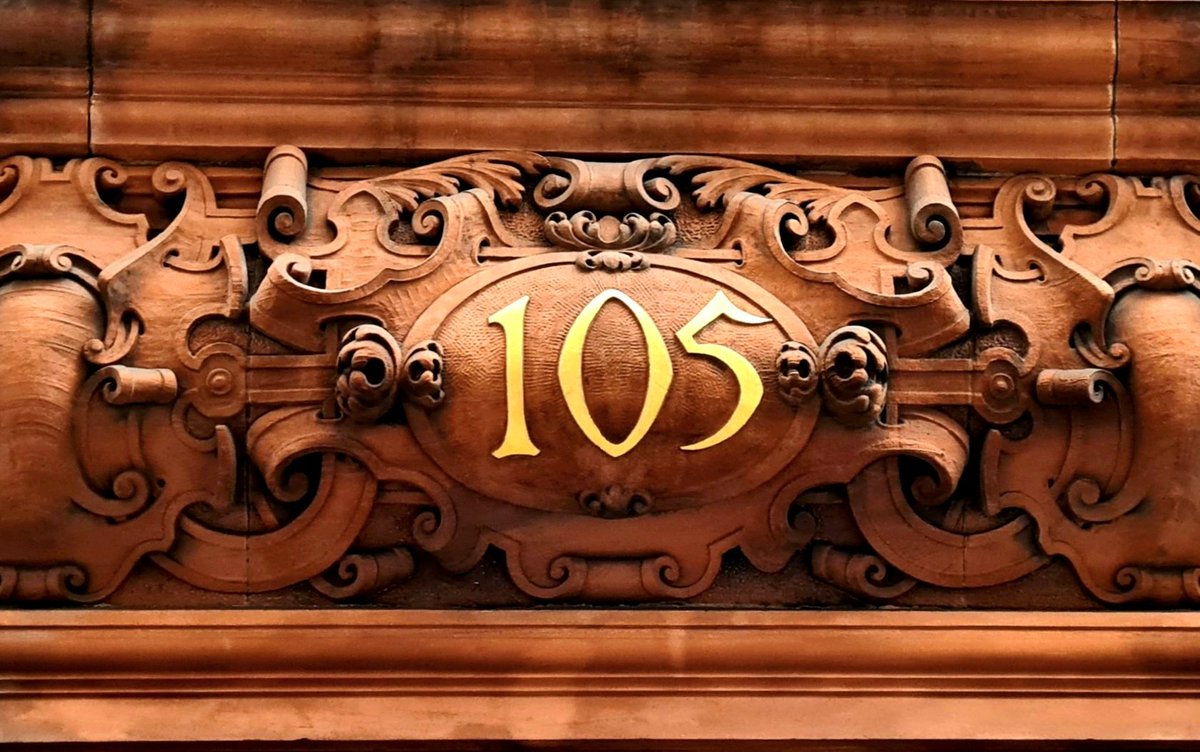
{"x": 511, "y": 319}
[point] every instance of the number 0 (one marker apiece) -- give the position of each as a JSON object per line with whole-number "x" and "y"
{"x": 570, "y": 373}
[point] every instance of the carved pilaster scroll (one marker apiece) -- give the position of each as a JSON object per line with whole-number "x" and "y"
{"x": 283, "y": 207}
{"x": 117, "y": 410}
{"x": 612, "y": 377}
{"x": 1107, "y": 470}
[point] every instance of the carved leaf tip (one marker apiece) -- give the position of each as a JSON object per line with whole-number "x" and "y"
{"x": 717, "y": 179}
{"x": 496, "y": 172}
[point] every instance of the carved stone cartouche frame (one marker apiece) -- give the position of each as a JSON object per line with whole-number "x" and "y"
{"x": 613, "y": 373}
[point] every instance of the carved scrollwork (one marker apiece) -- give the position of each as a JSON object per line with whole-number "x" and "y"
{"x": 864, "y": 574}
{"x": 132, "y": 386}
{"x": 798, "y": 372}
{"x": 933, "y": 217}
{"x": 1080, "y": 386}
{"x": 369, "y": 368}
{"x": 26, "y": 260}
{"x": 496, "y": 173}
{"x": 129, "y": 495}
{"x": 616, "y": 501}
{"x": 283, "y": 207}
{"x": 854, "y": 375}
{"x": 1156, "y": 584}
{"x": 718, "y": 180}
{"x": 605, "y": 186}
{"x": 611, "y": 261}
{"x": 875, "y": 383}
{"x": 115, "y": 313}
{"x": 633, "y": 233}
{"x": 424, "y": 367}
{"x": 362, "y": 574}
{"x": 1156, "y": 274}
{"x": 53, "y": 583}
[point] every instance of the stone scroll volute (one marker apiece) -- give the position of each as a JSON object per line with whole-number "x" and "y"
{"x": 612, "y": 378}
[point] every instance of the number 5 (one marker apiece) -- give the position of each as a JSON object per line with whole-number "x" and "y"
{"x": 750, "y": 388}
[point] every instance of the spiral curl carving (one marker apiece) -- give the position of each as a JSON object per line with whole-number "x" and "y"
{"x": 633, "y": 233}
{"x": 854, "y": 375}
{"x": 368, "y": 366}
{"x": 616, "y": 501}
{"x": 797, "y": 372}
{"x": 423, "y": 370}
{"x": 356, "y": 575}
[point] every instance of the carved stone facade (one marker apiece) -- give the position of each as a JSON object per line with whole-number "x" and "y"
{"x": 645, "y": 381}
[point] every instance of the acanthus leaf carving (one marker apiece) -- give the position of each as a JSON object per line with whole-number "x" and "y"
{"x": 634, "y": 233}
{"x": 496, "y": 173}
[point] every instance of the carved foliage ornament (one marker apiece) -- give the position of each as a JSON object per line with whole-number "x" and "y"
{"x": 612, "y": 373}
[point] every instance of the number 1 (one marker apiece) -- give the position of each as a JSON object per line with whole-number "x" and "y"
{"x": 511, "y": 319}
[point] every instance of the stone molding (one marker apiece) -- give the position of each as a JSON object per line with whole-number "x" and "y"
{"x": 1065, "y": 86}
{"x": 657, "y": 679}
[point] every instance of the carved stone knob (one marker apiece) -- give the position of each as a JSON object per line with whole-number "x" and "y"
{"x": 797, "y": 367}
{"x": 854, "y": 374}
{"x": 616, "y": 501}
{"x": 423, "y": 370}
{"x": 368, "y": 369}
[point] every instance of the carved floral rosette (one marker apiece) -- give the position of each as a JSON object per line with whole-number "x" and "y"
{"x": 613, "y": 374}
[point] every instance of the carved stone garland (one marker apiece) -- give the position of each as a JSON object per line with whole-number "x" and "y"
{"x": 612, "y": 373}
